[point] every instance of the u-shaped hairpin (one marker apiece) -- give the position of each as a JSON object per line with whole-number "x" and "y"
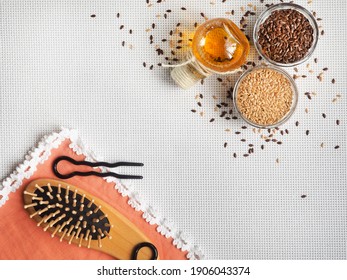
{"x": 93, "y": 164}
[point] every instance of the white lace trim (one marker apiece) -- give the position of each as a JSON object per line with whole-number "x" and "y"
{"x": 41, "y": 153}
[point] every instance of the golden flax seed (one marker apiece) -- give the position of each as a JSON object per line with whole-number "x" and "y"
{"x": 264, "y": 96}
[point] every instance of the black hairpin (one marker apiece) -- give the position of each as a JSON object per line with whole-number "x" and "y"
{"x": 93, "y": 164}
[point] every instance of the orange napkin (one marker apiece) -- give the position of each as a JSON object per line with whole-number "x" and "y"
{"x": 20, "y": 238}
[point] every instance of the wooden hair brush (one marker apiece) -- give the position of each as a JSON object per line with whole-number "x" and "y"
{"x": 76, "y": 216}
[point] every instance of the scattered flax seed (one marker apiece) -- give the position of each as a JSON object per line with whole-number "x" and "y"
{"x": 304, "y": 196}
{"x": 333, "y": 81}
{"x": 336, "y": 147}
{"x": 203, "y": 15}
{"x": 296, "y": 123}
{"x": 235, "y": 155}
{"x": 193, "y": 110}
{"x": 121, "y": 27}
{"x": 144, "y": 64}
{"x": 159, "y": 51}
{"x": 324, "y": 115}
{"x": 325, "y": 69}
{"x": 222, "y": 115}
{"x": 320, "y": 77}
{"x": 307, "y": 132}
{"x": 308, "y": 95}
{"x": 212, "y": 120}
{"x": 93, "y": 16}
{"x": 225, "y": 144}
{"x": 183, "y": 9}
{"x": 337, "y": 97}
{"x": 246, "y": 155}
{"x": 315, "y": 60}
{"x": 306, "y": 110}
{"x": 199, "y": 104}
{"x": 337, "y": 122}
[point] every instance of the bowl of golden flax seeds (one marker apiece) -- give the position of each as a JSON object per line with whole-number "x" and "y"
{"x": 265, "y": 96}
{"x": 286, "y": 34}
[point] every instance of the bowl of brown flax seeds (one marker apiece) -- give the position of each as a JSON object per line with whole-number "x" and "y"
{"x": 265, "y": 96}
{"x": 286, "y": 34}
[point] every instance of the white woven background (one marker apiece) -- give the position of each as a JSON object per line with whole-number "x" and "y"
{"x": 61, "y": 67}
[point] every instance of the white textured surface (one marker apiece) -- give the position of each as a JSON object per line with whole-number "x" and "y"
{"x": 60, "y": 67}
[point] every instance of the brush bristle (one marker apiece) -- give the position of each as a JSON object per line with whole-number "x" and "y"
{"x": 68, "y": 214}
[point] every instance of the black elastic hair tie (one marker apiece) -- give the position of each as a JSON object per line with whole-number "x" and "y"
{"x": 139, "y": 246}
